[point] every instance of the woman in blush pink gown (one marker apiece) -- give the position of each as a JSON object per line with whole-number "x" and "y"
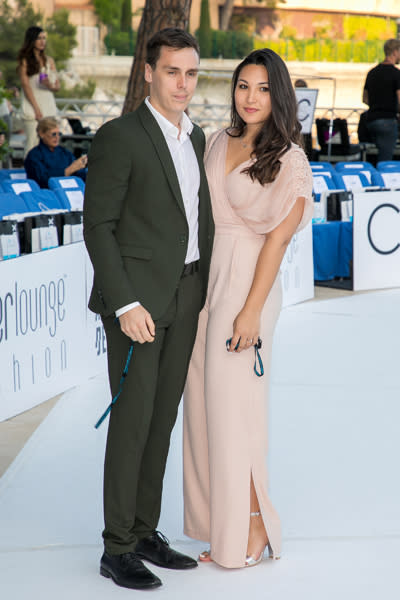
{"x": 260, "y": 183}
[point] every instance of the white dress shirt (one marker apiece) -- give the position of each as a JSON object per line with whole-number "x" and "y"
{"x": 188, "y": 173}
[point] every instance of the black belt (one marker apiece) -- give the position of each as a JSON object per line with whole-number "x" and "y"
{"x": 190, "y": 268}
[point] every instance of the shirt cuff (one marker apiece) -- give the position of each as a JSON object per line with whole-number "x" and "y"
{"x": 125, "y": 308}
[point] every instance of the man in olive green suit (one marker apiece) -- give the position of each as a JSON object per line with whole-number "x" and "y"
{"x": 148, "y": 229}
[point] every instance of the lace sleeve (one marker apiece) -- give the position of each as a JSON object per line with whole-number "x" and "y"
{"x": 301, "y": 176}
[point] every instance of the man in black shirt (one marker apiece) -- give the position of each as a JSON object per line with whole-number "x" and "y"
{"x": 382, "y": 94}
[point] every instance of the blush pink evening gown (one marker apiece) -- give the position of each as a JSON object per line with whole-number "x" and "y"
{"x": 225, "y": 403}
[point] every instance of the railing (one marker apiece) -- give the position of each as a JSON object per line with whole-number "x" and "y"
{"x": 93, "y": 113}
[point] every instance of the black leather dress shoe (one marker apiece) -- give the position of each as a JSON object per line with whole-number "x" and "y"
{"x": 127, "y": 570}
{"x": 155, "y": 548}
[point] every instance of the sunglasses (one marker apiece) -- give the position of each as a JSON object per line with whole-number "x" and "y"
{"x": 55, "y": 134}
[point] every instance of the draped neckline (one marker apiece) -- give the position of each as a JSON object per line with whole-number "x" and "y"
{"x": 226, "y": 155}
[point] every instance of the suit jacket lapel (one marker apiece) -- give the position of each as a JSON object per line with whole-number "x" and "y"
{"x": 161, "y": 147}
{"x": 203, "y": 190}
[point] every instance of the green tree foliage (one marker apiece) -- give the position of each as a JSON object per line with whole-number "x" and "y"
{"x": 231, "y": 44}
{"x": 368, "y": 28}
{"x": 109, "y": 12}
{"x": 15, "y": 20}
{"x": 121, "y": 43}
{"x": 126, "y": 15}
{"x": 61, "y": 37}
{"x": 204, "y": 32}
{"x": 370, "y": 51}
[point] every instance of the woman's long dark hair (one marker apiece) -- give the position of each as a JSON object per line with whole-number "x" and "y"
{"x": 27, "y": 51}
{"x": 282, "y": 126}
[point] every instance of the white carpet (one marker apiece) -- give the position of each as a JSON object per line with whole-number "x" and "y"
{"x": 334, "y": 448}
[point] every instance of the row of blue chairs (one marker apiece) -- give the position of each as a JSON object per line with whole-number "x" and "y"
{"x": 14, "y": 185}
{"x": 19, "y": 196}
{"x": 354, "y": 176}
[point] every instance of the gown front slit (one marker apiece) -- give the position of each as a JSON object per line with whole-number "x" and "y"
{"x": 225, "y": 403}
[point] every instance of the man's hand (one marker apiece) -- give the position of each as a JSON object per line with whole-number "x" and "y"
{"x": 138, "y": 325}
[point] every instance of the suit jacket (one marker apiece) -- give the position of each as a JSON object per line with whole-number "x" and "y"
{"x": 135, "y": 225}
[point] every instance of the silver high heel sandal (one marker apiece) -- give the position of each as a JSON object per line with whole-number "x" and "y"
{"x": 250, "y": 561}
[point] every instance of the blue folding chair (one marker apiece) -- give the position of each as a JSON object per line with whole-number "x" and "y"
{"x": 41, "y": 201}
{"x": 16, "y": 186}
{"x": 324, "y": 181}
{"x": 373, "y": 177}
{"x": 12, "y": 174}
{"x": 12, "y": 203}
{"x": 355, "y": 180}
{"x": 321, "y": 166}
{"x": 66, "y": 183}
{"x": 387, "y": 166}
{"x": 70, "y": 199}
{"x": 390, "y": 172}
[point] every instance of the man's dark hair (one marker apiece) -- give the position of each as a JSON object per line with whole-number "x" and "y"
{"x": 172, "y": 37}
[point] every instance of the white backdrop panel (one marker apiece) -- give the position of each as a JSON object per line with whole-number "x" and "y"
{"x": 376, "y": 240}
{"x": 46, "y": 332}
{"x": 297, "y": 269}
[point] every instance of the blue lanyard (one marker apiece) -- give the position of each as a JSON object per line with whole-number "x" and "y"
{"x": 258, "y": 363}
{"x": 121, "y": 383}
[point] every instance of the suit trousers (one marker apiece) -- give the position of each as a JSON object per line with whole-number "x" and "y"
{"x": 142, "y": 419}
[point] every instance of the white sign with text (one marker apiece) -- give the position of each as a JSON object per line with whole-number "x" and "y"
{"x": 376, "y": 240}
{"x": 46, "y": 335}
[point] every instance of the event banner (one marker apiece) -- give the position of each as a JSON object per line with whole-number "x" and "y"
{"x": 297, "y": 271}
{"x": 376, "y": 240}
{"x": 49, "y": 341}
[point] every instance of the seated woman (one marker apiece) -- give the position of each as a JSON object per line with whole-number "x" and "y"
{"x": 49, "y": 159}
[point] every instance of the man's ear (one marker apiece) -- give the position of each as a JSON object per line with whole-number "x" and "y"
{"x": 148, "y": 73}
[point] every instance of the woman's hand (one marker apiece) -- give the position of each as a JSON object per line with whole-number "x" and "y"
{"x": 246, "y": 329}
{"x": 53, "y": 86}
{"x": 76, "y": 165}
{"x": 38, "y": 114}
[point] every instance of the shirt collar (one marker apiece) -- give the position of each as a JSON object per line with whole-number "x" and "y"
{"x": 169, "y": 128}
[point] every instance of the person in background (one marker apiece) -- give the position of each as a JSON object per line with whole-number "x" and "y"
{"x": 5, "y": 118}
{"x": 49, "y": 159}
{"x": 382, "y": 94}
{"x": 300, "y": 83}
{"x": 38, "y": 80}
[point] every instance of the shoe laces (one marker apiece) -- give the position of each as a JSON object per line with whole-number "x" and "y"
{"x": 161, "y": 538}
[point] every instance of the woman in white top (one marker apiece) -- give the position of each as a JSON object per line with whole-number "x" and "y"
{"x": 38, "y": 80}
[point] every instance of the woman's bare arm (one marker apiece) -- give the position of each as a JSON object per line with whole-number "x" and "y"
{"x": 26, "y": 86}
{"x": 246, "y": 326}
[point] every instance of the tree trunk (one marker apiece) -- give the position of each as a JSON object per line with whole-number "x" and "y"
{"x": 226, "y": 14}
{"x": 157, "y": 14}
